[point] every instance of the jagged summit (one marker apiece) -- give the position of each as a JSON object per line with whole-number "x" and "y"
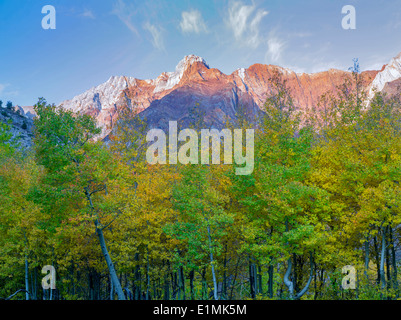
{"x": 389, "y": 73}
{"x": 189, "y": 60}
{"x": 102, "y": 96}
{"x": 108, "y": 94}
{"x": 172, "y": 94}
{"x": 168, "y": 80}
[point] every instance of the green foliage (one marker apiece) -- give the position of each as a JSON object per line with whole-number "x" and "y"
{"x": 325, "y": 186}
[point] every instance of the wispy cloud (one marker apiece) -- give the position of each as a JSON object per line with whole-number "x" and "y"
{"x": 87, "y": 14}
{"x": 326, "y": 65}
{"x": 375, "y": 62}
{"x": 192, "y": 22}
{"x": 275, "y": 48}
{"x": 125, "y": 13}
{"x": 7, "y": 92}
{"x": 244, "y": 21}
{"x": 157, "y": 35}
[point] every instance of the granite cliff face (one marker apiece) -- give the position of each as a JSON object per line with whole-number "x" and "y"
{"x": 21, "y": 125}
{"x": 388, "y": 74}
{"x": 173, "y": 96}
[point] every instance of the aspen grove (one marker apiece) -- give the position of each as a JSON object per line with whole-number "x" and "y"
{"x": 324, "y": 193}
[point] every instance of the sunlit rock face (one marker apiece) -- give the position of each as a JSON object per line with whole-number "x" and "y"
{"x": 195, "y": 87}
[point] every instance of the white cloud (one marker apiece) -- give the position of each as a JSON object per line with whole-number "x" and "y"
{"x": 244, "y": 21}
{"x": 125, "y": 13}
{"x": 88, "y": 14}
{"x": 7, "y": 92}
{"x": 321, "y": 66}
{"x": 192, "y": 21}
{"x": 275, "y": 48}
{"x": 157, "y": 36}
{"x": 374, "y": 66}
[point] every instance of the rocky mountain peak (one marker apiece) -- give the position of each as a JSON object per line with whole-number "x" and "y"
{"x": 389, "y": 73}
{"x": 190, "y": 60}
{"x": 168, "y": 80}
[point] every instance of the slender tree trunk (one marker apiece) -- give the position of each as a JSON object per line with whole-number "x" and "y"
{"x": 321, "y": 280}
{"x": 147, "y": 275}
{"x": 252, "y": 279}
{"x": 225, "y": 273}
{"x": 303, "y": 291}
{"x": 102, "y": 241}
{"x": 357, "y": 285}
{"x": 181, "y": 282}
{"x": 377, "y": 259}
{"x": 388, "y": 266}
{"x": 290, "y": 284}
{"x": 109, "y": 262}
{"x": 204, "y": 284}
{"x": 260, "y": 288}
{"x": 155, "y": 288}
{"x": 255, "y": 279}
{"x": 32, "y": 285}
{"x": 315, "y": 282}
{"x": 393, "y": 261}
{"x": 26, "y": 268}
{"x": 366, "y": 257}
{"x": 174, "y": 285}
{"x": 212, "y": 262}
{"x": 26, "y": 279}
{"x": 137, "y": 278}
{"x": 35, "y": 289}
{"x": 295, "y": 273}
{"x": 178, "y": 276}
{"x": 191, "y": 283}
{"x": 287, "y": 280}
{"x": 167, "y": 283}
{"x": 90, "y": 285}
{"x": 383, "y": 252}
{"x": 270, "y": 284}
{"x": 235, "y": 278}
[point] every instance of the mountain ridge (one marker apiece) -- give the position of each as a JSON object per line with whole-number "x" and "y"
{"x": 194, "y": 82}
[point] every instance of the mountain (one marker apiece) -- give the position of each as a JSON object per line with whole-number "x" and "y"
{"x": 387, "y": 77}
{"x": 195, "y": 87}
{"x": 21, "y": 125}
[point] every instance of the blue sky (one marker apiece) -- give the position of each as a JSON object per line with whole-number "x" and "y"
{"x": 94, "y": 39}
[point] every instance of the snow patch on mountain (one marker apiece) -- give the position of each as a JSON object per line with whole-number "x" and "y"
{"x": 390, "y": 73}
{"x": 285, "y": 71}
{"x": 169, "y": 80}
{"x": 104, "y": 96}
{"x": 241, "y": 74}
